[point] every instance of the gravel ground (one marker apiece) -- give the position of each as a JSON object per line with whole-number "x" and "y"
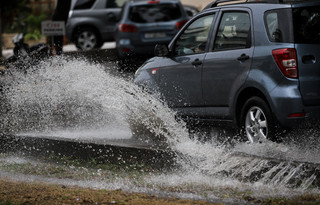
{"x": 13, "y": 192}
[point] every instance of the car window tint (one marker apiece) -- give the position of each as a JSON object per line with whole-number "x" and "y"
{"x": 307, "y": 24}
{"x": 273, "y": 26}
{"x": 84, "y": 4}
{"x": 154, "y": 13}
{"x": 234, "y": 31}
{"x": 194, "y": 38}
{"x": 115, "y": 3}
{"x": 278, "y": 26}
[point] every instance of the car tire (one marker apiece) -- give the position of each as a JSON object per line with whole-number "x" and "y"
{"x": 87, "y": 39}
{"x": 257, "y": 122}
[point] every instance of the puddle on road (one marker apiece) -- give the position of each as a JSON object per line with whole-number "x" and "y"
{"x": 76, "y": 99}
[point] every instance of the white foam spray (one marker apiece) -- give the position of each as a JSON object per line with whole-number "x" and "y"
{"x": 64, "y": 94}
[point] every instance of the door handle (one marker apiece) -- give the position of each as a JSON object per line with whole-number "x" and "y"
{"x": 308, "y": 59}
{"x": 243, "y": 57}
{"x": 196, "y": 62}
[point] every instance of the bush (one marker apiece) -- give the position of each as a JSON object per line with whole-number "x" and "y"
{"x": 34, "y": 26}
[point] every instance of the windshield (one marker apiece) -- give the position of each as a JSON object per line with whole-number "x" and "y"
{"x": 154, "y": 13}
{"x": 307, "y": 24}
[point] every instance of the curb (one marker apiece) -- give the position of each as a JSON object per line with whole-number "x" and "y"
{"x": 101, "y": 153}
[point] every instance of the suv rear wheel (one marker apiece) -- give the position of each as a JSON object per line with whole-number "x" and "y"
{"x": 257, "y": 121}
{"x": 87, "y": 39}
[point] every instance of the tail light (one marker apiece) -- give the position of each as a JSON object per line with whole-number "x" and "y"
{"x": 126, "y": 50}
{"x": 294, "y": 115}
{"x": 180, "y": 24}
{"x": 286, "y": 59}
{"x": 127, "y": 28}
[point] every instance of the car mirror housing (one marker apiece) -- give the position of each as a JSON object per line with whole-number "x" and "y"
{"x": 161, "y": 50}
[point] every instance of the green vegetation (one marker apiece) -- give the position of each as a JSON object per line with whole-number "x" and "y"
{"x": 14, "y": 12}
{"x": 34, "y": 26}
{"x": 19, "y": 18}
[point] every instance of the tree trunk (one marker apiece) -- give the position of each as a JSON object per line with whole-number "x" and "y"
{"x": 60, "y": 14}
{"x": 1, "y": 30}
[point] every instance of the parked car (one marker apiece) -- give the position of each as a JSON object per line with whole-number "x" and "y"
{"x": 143, "y": 24}
{"x": 93, "y": 22}
{"x": 253, "y": 64}
{"x": 191, "y": 10}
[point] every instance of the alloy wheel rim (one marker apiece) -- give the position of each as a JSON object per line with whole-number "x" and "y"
{"x": 256, "y": 125}
{"x": 87, "y": 40}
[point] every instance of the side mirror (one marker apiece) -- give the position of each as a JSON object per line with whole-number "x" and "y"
{"x": 161, "y": 50}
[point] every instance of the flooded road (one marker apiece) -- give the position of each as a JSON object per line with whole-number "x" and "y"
{"x": 81, "y": 102}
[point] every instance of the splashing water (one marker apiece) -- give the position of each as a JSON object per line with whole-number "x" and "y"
{"x": 74, "y": 94}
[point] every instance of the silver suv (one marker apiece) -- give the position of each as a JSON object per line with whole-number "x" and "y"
{"x": 254, "y": 64}
{"x": 92, "y": 22}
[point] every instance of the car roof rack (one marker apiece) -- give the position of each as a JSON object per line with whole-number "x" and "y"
{"x": 215, "y": 3}
{"x": 225, "y": 2}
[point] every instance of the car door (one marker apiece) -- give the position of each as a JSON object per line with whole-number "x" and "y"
{"x": 226, "y": 66}
{"x": 180, "y": 78}
{"x": 307, "y": 43}
{"x": 107, "y": 12}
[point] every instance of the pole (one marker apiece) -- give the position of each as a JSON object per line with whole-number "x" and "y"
{"x": 1, "y": 30}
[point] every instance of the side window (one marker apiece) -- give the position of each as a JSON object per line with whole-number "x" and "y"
{"x": 278, "y": 24}
{"x": 115, "y": 3}
{"x": 84, "y": 4}
{"x": 272, "y": 24}
{"x": 234, "y": 31}
{"x": 194, "y": 38}
{"x": 307, "y": 24}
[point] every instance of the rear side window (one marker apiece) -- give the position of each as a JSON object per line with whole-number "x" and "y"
{"x": 234, "y": 31}
{"x": 279, "y": 25}
{"x": 84, "y": 4}
{"x": 307, "y": 24}
{"x": 154, "y": 13}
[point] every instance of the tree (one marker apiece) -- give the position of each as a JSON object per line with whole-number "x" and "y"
{"x": 11, "y": 11}
{"x": 1, "y": 32}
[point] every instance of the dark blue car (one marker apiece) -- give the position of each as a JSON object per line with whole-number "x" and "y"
{"x": 145, "y": 23}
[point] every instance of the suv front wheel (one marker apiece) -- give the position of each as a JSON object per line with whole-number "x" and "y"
{"x": 257, "y": 122}
{"x": 87, "y": 39}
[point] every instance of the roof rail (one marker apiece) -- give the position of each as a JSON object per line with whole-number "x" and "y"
{"x": 215, "y": 3}
{"x": 224, "y": 2}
